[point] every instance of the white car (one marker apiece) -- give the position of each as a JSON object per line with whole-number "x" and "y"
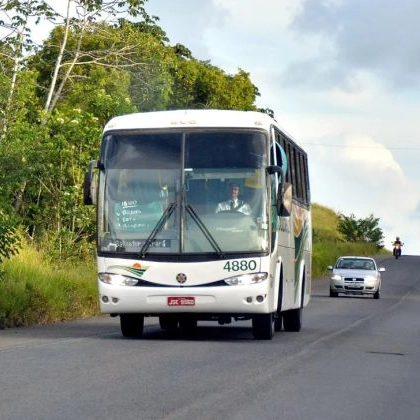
{"x": 353, "y": 275}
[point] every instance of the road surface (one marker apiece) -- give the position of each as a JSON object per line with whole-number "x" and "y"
{"x": 355, "y": 358}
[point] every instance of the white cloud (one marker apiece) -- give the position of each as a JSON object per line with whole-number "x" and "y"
{"x": 376, "y": 36}
{"x": 370, "y": 157}
{"x": 363, "y": 178}
{"x": 263, "y": 16}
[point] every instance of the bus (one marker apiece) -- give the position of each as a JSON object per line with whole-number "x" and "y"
{"x": 163, "y": 248}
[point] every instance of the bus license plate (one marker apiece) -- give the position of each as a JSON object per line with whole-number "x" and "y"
{"x": 181, "y": 301}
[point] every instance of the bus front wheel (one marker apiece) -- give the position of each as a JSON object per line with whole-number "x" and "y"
{"x": 263, "y": 326}
{"x": 132, "y": 325}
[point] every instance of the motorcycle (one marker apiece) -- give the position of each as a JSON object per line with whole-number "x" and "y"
{"x": 397, "y": 251}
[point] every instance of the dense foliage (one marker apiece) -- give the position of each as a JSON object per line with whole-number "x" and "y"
{"x": 365, "y": 230}
{"x": 56, "y": 97}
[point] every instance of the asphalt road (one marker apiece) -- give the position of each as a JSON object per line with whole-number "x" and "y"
{"x": 355, "y": 358}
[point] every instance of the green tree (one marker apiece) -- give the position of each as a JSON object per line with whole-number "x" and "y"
{"x": 361, "y": 230}
{"x": 137, "y": 61}
{"x": 88, "y": 14}
{"x": 199, "y": 84}
{"x": 58, "y": 96}
{"x": 16, "y": 20}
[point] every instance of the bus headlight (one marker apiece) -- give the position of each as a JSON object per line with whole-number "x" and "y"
{"x": 117, "y": 279}
{"x": 245, "y": 279}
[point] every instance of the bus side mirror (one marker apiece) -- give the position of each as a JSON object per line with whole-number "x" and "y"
{"x": 284, "y": 192}
{"x": 90, "y": 184}
{"x": 284, "y": 199}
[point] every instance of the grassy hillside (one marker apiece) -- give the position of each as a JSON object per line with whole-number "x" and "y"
{"x": 328, "y": 243}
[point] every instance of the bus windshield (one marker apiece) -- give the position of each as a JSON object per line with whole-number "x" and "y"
{"x": 184, "y": 192}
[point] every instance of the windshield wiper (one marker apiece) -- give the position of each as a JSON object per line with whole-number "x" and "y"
{"x": 204, "y": 229}
{"x": 159, "y": 225}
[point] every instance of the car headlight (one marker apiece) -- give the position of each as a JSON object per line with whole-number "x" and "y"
{"x": 245, "y": 279}
{"x": 117, "y": 279}
{"x": 336, "y": 277}
{"x": 370, "y": 279}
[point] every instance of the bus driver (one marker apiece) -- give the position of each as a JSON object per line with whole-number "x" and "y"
{"x": 235, "y": 203}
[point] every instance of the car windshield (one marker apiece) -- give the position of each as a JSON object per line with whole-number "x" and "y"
{"x": 355, "y": 264}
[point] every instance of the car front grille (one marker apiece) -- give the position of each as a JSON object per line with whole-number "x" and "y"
{"x": 352, "y": 279}
{"x": 351, "y": 283}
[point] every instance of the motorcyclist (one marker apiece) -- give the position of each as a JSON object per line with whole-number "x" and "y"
{"x": 397, "y": 245}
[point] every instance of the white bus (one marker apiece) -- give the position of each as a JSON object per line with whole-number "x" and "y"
{"x": 163, "y": 247}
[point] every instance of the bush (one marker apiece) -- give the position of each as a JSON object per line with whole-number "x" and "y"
{"x": 9, "y": 237}
{"x": 32, "y": 292}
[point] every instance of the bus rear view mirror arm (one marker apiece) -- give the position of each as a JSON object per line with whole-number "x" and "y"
{"x": 89, "y": 186}
{"x": 274, "y": 169}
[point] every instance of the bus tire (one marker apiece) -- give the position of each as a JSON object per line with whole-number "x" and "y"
{"x": 263, "y": 326}
{"x": 278, "y": 322}
{"x": 292, "y": 320}
{"x": 132, "y": 325}
{"x": 188, "y": 325}
{"x": 168, "y": 322}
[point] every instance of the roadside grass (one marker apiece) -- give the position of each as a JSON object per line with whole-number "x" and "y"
{"x": 328, "y": 244}
{"x": 326, "y": 253}
{"x": 34, "y": 292}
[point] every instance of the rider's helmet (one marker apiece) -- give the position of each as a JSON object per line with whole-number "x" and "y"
{"x": 398, "y": 238}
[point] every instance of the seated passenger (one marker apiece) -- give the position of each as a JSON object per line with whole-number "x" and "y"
{"x": 235, "y": 204}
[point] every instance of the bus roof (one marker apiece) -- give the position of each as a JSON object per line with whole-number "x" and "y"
{"x": 191, "y": 118}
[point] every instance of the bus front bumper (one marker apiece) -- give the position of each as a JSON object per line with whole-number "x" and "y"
{"x": 250, "y": 299}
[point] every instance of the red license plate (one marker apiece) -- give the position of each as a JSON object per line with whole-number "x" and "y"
{"x": 181, "y": 301}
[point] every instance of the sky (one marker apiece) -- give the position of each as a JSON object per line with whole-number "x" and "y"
{"x": 343, "y": 79}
